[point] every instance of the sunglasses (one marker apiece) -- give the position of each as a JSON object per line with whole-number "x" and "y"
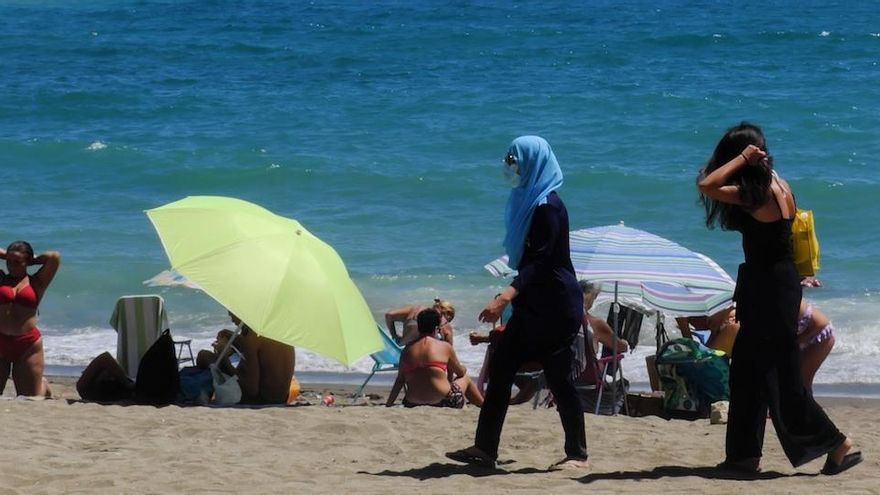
{"x": 510, "y": 159}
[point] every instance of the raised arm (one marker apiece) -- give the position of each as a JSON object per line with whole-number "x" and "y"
{"x": 50, "y": 261}
{"x": 395, "y": 315}
{"x": 714, "y": 185}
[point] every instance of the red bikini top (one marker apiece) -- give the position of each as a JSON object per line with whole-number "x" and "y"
{"x": 26, "y": 296}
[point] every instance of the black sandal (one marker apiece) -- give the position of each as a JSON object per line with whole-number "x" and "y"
{"x": 848, "y": 461}
{"x": 473, "y": 456}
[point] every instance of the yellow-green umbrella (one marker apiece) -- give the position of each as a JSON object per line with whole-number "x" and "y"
{"x": 282, "y": 281}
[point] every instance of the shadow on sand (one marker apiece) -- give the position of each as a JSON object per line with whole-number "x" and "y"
{"x": 708, "y": 472}
{"x": 438, "y": 470}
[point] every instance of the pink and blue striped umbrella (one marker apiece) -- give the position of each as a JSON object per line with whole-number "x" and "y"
{"x": 647, "y": 268}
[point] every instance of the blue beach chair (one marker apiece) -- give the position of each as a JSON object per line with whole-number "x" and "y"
{"x": 387, "y": 359}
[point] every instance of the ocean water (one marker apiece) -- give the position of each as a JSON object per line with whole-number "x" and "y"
{"x": 380, "y": 127}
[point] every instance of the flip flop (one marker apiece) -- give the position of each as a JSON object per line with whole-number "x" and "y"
{"x": 473, "y": 456}
{"x": 849, "y": 460}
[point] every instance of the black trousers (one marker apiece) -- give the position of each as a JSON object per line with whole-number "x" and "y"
{"x": 556, "y": 353}
{"x": 765, "y": 373}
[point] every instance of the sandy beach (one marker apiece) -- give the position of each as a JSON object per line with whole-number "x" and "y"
{"x": 65, "y": 445}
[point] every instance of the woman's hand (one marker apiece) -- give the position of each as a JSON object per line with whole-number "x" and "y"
{"x": 753, "y": 155}
{"x": 492, "y": 312}
{"x": 477, "y": 338}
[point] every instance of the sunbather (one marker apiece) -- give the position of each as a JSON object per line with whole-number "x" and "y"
{"x": 721, "y": 334}
{"x": 21, "y": 343}
{"x": 407, "y": 316}
{"x": 265, "y": 370}
{"x": 602, "y": 332}
{"x": 815, "y": 335}
{"x": 431, "y": 370}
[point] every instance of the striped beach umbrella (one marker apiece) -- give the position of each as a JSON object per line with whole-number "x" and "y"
{"x": 646, "y": 269}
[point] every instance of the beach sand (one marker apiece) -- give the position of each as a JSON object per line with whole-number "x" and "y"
{"x": 68, "y": 446}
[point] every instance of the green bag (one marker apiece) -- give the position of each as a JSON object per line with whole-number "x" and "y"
{"x": 692, "y": 376}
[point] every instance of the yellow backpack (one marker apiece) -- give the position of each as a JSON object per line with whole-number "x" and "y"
{"x": 804, "y": 244}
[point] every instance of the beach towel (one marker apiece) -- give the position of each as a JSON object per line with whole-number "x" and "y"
{"x": 138, "y": 321}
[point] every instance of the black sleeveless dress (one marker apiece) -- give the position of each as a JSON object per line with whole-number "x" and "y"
{"x": 765, "y": 363}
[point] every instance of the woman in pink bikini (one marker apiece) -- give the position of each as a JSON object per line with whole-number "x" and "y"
{"x": 431, "y": 371}
{"x": 21, "y": 344}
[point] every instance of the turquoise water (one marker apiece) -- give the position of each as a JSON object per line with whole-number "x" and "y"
{"x": 381, "y": 128}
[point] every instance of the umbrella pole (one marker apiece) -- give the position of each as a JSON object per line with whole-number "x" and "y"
{"x": 616, "y": 309}
{"x": 228, "y": 345}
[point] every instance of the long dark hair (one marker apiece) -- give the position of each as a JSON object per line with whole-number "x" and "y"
{"x": 753, "y": 181}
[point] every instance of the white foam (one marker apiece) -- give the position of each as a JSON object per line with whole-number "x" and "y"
{"x": 853, "y": 359}
{"x": 96, "y": 146}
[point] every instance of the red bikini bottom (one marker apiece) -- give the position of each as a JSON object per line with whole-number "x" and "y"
{"x": 13, "y": 347}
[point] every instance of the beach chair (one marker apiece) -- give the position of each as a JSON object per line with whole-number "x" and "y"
{"x": 593, "y": 378}
{"x": 387, "y": 359}
{"x": 534, "y": 378}
{"x": 138, "y": 321}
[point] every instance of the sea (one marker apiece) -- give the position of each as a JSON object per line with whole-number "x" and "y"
{"x": 381, "y": 125}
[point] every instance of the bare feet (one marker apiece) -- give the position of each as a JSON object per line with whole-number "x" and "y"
{"x": 836, "y": 455}
{"x": 569, "y": 463}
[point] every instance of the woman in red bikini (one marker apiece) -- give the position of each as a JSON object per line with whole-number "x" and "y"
{"x": 431, "y": 371}
{"x": 21, "y": 344}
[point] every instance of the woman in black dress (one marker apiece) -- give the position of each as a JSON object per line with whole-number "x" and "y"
{"x": 547, "y": 304}
{"x": 740, "y": 191}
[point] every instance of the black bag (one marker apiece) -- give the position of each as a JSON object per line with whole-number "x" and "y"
{"x": 158, "y": 377}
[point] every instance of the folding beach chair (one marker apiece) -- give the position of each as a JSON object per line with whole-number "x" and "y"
{"x": 387, "y": 359}
{"x": 138, "y": 321}
{"x": 532, "y": 378}
{"x": 594, "y": 377}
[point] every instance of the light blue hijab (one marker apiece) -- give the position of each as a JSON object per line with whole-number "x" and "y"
{"x": 539, "y": 176}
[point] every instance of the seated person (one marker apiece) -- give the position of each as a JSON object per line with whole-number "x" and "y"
{"x": 104, "y": 380}
{"x": 721, "y": 334}
{"x": 407, "y": 316}
{"x": 602, "y": 332}
{"x": 431, "y": 371}
{"x": 266, "y": 367}
{"x": 527, "y": 382}
{"x": 206, "y": 358}
{"x": 815, "y": 336}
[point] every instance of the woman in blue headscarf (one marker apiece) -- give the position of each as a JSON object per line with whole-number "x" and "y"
{"x": 547, "y": 304}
